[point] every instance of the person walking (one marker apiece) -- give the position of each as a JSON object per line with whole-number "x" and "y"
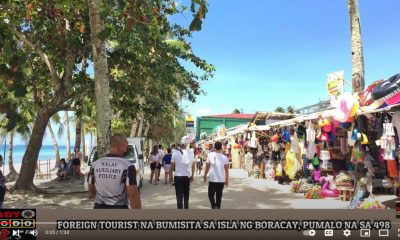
{"x": 217, "y": 168}
{"x": 155, "y": 165}
{"x": 76, "y": 163}
{"x": 112, "y": 179}
{"x": 162, "y": 154}
{"x": 183, "y": 163}
{"x": 166, "y": 162}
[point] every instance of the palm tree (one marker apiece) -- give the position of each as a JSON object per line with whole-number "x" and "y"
{"x": 236, "y": 111}
{"x": 357, "y": 56}
{"x": 66, "y": 123}
{"x": 54, "y": 141}
{"x": 290, "y": 109}
{"x": 12, "y": 175}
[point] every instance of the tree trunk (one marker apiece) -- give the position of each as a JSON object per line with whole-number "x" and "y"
{"x": 134, "y": 127}
{"x": 357, "y": 57}
{"x": 102, "y": 88}
{"x": 146, "y": 131}
{"x": 12, "y": 175}
{"x": 83, "y": 144}
{"x": 78, "y": 131}
{"x": 141, "y": 121}
{"x": 54, "y": 141}
{"x": 29, "y": 160}
{"x": 66, "y": 119}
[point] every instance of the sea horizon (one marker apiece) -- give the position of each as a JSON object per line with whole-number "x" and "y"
{"x": 46, "y": 152}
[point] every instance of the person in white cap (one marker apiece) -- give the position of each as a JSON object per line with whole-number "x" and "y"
{"x": 183, "y": 163}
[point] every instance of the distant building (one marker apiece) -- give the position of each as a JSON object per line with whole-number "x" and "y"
{"x": 209, "y": 123}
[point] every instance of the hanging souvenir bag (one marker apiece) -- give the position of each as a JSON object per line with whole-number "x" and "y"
{"x": 315, "y": 161}
{"x": 388, "y": 155}
{"x": 310, "y": 132}
{"x": 350, "y": 140}
{"x": 388, "y": 129}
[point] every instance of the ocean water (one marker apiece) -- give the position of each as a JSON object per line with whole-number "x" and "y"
{"x": 46, "y": 152}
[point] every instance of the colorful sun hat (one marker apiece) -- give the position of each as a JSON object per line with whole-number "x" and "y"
{"x": 365, "y": 96}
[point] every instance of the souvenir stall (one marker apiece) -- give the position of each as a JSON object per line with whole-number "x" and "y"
{"x": 354, "y": 154}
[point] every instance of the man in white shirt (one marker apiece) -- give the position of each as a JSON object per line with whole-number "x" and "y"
{"x": 217, "y": 168}
{"x": 183, "y": 163}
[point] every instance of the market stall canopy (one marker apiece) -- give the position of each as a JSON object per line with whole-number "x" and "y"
{"x": 325, "y": 114}
{"x": 236, "y": 130}
{"x": 265, "y": 118}
{"x": 259, "y": 128}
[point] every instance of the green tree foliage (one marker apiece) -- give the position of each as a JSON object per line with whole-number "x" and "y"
{"x": 290, "y": 109}
{"x": 45, "y": 48}
{"x": 280, "y": 109}
{"x": 236, "y": 111}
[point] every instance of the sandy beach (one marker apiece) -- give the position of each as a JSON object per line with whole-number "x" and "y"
{"x": 242, "y": 193}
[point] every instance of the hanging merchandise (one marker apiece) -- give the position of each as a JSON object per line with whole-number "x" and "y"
{"x": 344, "y": 107}
{"x": 392, "y": 168}
{"x": 294, "y": 143}
{"x": 357, "y": 154}
{"x": 310, "y": 132}
{"x": 311, "y": 150}
{"x": 275, "y": 138}
{"x": 364, "y": 139}
{"x": 350, "y": 140}
{"x": 387, "y": 140}
{"x": 253, "y": 140}
{"x": 315, "y": 161}
{"x": 388, "y": 129}
{"x": 290, "y": 167}
{"x": 286, "y": 135}
{"x": 365, "y": 96}
{"x": 325, "y": 157}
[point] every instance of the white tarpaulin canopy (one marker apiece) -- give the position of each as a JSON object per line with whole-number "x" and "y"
{"x": 236, "y": 130}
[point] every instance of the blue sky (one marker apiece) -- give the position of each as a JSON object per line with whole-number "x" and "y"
{"x": 271, "y": 53}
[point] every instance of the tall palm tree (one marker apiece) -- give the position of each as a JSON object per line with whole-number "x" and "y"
{"x": 280, "y": 109}
{"x": 357, "y": 57}
{"x": 54, "y": 141}
{"x": 78, "y": 129}
{"x": 12, "y": 175}
{"x": 68, "y": 144}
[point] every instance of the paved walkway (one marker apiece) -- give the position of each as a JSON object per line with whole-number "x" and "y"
{"x": 242, "y": 193}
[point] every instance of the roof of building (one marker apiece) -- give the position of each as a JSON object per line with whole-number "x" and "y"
{"x": 232, "y": 115}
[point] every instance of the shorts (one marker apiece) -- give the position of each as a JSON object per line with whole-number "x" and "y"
{"x": 76, "y": 161}
{"x": 167, "y": 168}
{"x": 154, "y": 166}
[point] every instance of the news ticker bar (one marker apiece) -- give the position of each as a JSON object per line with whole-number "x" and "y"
{"x": 106, "y": 224}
